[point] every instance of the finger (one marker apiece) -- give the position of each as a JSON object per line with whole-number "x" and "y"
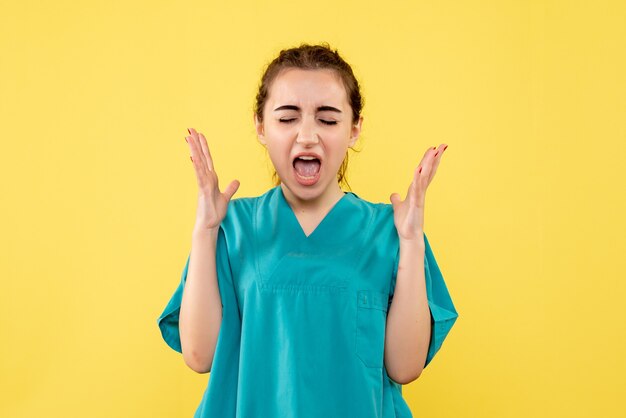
{"x": 412, "y": 192}
{"x": 434, "y": 161}
{"x": 192, "y": 149}
{"x": 196, "y": 150}
{"x": 193, "y": 134}
{"x": 196, "y": 161}
{"x": 416, "y": 176}
{"x": 197, "y": 158}
{"x": 207, "y": 152}
{"x": 427, "y": 163}
{"x": 424, "y": 159}
{"x": 440, "y": 151}
{"x": 231, "y": 189}
{"x": 394, "y": 199}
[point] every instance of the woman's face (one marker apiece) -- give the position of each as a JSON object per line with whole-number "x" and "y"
{"x": 307, "y": 130}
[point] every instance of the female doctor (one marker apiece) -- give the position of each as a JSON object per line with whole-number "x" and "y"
{"x": 308, "y": 301}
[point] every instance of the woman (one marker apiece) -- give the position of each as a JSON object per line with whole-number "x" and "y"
{"x": 307, "y": 301}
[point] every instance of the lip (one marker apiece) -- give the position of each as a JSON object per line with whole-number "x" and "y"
{"x": 306, "y": 154}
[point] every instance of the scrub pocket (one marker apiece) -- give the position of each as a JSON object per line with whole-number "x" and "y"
{"x": 371, "y": 319}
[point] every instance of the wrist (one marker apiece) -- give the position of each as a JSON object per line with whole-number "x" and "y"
{"x": 202, "y": 232}
{"x": 413, "y": 243}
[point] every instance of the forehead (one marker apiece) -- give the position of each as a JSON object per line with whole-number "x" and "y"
{"x": 308, "y": 88}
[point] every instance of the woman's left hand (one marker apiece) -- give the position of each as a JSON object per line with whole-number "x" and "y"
{"x": 408, "y": 214}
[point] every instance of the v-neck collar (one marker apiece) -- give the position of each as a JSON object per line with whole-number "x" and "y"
{"x": 290, "y": 216}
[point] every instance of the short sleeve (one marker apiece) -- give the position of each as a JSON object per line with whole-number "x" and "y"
{"x": 168, "y": 320}
{"x": 443, "y": 314}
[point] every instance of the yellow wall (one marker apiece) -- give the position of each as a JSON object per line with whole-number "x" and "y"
{"x": 525, "y": 215}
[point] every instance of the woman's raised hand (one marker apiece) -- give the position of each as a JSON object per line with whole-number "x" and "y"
{"x": 212, "y": 204}
{"x": 408, "y": 214}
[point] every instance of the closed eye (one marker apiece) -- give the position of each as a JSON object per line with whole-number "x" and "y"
{"x": 327, "y": 122}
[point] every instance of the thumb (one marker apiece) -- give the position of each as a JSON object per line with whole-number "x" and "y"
{"x": 231, "y": 189}
{"x": 395, "y": 199}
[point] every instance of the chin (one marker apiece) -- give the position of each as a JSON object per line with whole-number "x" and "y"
{"x": 304, "y": 192}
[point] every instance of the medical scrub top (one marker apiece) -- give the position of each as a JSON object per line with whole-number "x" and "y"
{"x": 303, "y": 325}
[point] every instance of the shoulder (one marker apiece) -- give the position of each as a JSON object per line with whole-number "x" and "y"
{"x": 241, "y": 206}
{"x": 378, "y": 217}
{"x": 245, "y": 206}
{"x": 381, "y": 214}
{"x": 237, "y": 227}
{"x": 242, "y": 211}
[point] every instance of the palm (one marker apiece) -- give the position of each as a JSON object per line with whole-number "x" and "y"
{"x": 212, "y": 204}
{"x": 408, "y": 214}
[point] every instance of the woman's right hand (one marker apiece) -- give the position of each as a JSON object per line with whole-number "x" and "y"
{"x": 212, "y": 204}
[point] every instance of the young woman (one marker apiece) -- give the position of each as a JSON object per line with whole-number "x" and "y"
{"x": 307, "y": 301}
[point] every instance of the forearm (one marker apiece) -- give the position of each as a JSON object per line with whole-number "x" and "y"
{"x": 201, "y": 306}
{"x": 408, "y": 322}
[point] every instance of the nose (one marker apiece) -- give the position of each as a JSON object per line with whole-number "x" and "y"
{"x": 307, "y": 135}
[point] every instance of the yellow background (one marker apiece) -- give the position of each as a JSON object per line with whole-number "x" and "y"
{"x": 525, "y": 215}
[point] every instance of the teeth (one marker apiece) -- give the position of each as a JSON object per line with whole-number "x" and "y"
{"x": 307, "y": 157}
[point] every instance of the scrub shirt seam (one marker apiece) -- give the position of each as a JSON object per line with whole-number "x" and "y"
{"x": 356, "y": 271}
{"x": 366, "y": 238}
{"x": 256, "y": 238}
{"x": 230, "y": 270}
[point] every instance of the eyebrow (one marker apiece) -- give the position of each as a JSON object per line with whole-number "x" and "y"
{"x": 319, "y": 109}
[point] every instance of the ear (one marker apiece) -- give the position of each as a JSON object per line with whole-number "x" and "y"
{"x": 356, "y": 131}
{"x": 260, "y": 129}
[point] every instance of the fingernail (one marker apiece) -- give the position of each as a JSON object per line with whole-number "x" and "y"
{"x": 436, "y": 153}
{"x": 420, "y": 170}
{"x": 189, "y": 131}
{"x": 191, "y": 158}
{"x": 434, "y": 147}
{"x": 444, "y": 148}
{"x": 186, "y": 140}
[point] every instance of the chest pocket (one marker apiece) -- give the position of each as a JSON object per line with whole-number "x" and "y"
{"x": 371, "y": 319}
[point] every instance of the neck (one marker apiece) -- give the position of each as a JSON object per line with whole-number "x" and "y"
{"x": 331, "y": 195}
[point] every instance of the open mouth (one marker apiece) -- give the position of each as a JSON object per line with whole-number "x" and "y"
{"x": 307, "y": 169}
